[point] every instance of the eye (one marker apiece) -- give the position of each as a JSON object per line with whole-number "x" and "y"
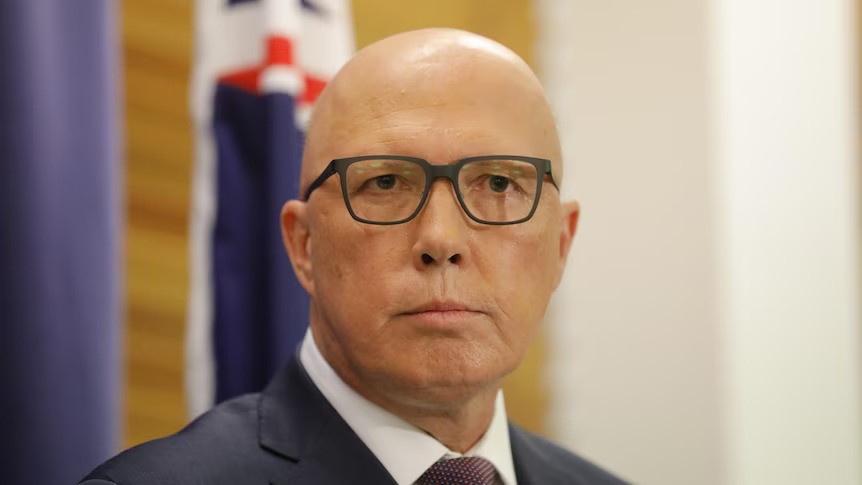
{"x": 498, "y": 183}
{"x": 385, "y": 181}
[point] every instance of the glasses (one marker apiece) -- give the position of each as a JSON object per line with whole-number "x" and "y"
{"x": 391, "y": 189}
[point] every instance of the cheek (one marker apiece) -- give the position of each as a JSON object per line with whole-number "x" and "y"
{"x": 333, "y": 257}
{"x": 521, "y": 274}
{"x": 345, "y": 257}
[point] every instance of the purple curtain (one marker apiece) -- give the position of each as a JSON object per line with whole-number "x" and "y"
{"x": 61, "y": 212}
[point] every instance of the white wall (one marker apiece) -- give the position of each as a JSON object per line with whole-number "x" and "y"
{"x": 789, "y": 240}
{"x": 707, "y": 331}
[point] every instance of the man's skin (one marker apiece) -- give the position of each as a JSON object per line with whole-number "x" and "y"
{"x": 426, "y": 318}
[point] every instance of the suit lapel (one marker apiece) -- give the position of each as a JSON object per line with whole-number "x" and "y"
{"x": 528, "y": 462}
{"x": 298, "y": 424}
{"x": 531, "y": 465}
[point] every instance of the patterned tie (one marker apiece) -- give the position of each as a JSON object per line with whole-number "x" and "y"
{"x": 466, "y": 470}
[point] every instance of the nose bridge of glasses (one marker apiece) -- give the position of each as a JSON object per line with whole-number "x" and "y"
{"x": 436, "y": 172}
{"x": 443, "y": 171}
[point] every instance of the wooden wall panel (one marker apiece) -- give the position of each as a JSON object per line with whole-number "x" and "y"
{"x": 507, "y": 21}
{"x": 157, "y": 47}
{"x": 157, "y": 52}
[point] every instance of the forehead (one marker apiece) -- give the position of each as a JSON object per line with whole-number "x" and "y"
{"x": 442, "y": 118}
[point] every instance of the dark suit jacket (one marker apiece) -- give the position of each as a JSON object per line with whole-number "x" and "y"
{"x": 291, "y": 435}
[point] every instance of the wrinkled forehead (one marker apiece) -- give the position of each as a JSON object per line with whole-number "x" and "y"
{"x": 439, "y": 101}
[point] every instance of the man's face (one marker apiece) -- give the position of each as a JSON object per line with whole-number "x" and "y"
{"x": 441, "y": 306}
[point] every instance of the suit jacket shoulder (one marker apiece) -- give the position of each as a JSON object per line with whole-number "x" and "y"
{"x": 288, "y": 434}
{"x": 541, "y": 462}
{"x": 209, "y": 450}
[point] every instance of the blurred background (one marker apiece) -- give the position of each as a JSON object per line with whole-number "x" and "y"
{"x": 708, "y": 327}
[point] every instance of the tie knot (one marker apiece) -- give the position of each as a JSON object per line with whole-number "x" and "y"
{"x": 466, "y": 470}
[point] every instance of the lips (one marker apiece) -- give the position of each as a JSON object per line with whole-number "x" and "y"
{"x": 443, "y": 315}
{"x": 441, "y": 306}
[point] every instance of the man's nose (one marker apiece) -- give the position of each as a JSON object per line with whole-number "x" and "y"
{"x": 441, "y": 229}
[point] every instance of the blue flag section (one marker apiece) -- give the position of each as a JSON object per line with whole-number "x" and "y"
{"x": 60, "y": 223}
{"x": 259, "y": 67}
{"x": 260, "y": 311}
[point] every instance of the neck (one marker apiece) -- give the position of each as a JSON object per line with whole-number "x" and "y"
{"x": 458, "y": 426}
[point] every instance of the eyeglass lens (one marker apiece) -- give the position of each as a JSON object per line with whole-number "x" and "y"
{"x": 492, "y": 190}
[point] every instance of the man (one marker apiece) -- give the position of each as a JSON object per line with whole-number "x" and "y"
{"x": 430, "y": 238}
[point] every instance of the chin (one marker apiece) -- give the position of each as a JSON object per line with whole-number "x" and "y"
{"x": 443, "y": 379}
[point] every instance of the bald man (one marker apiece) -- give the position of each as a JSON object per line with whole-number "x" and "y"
{"x": 430, "y": 237}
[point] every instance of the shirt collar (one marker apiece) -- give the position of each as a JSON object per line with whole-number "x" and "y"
{"x": 404, "y": 450}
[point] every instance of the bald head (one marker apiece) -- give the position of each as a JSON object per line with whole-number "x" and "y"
{"x": 400, "y": 84}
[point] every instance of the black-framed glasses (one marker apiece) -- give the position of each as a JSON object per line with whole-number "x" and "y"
{"x": 391, "y": 189}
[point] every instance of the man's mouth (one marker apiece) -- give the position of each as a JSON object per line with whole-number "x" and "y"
{"x": 441, "y": 306}
{"x": 443, "y": 314}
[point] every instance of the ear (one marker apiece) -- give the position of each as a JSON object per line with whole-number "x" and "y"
{"x": 297, "y": 241}
{"x": 570, "y": 212}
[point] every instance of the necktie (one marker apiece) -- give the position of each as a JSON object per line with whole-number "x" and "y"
{"x": 466, "y": 470}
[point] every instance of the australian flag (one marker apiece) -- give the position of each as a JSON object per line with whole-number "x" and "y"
{"x": 260, "y": 65}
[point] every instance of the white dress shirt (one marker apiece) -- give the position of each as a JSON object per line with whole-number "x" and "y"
{"x": 404, "y": 450}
